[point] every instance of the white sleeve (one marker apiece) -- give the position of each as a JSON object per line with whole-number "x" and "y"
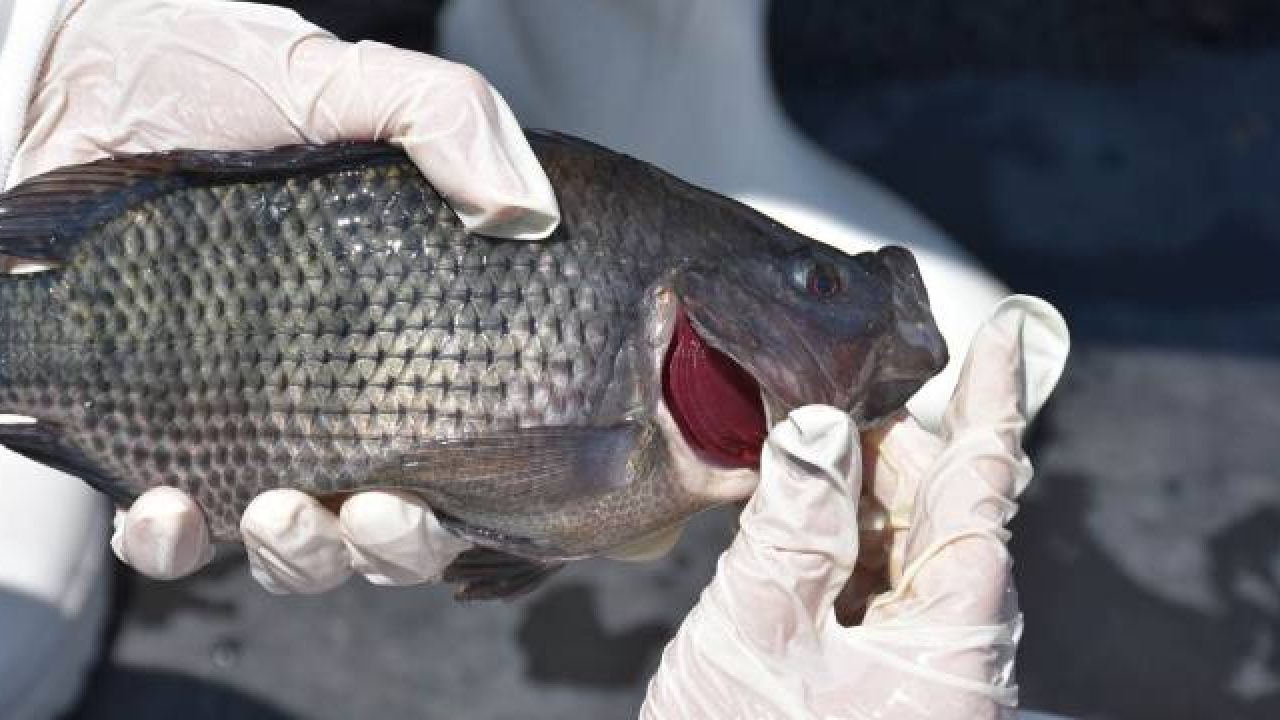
{"x": 26, "y": 26}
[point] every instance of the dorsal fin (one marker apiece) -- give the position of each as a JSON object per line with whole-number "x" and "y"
{"x": 44, "y": 217}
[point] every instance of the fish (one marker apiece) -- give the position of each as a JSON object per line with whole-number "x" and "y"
{"x": 317, "y": 317}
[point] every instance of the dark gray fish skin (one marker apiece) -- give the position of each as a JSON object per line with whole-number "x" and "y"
{"x": 318, "y": 318}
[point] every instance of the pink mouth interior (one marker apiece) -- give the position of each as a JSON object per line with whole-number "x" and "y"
{"x": 714, "y": 401}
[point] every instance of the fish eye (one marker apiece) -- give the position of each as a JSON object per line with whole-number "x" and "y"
{"x": 816, "y": 277}
{"x": 822, "y": 279}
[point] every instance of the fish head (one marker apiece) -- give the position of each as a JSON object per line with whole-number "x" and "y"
{"x": 813, "y": 325}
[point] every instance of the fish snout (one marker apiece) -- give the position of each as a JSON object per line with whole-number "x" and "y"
{"x": 913, "y": 350}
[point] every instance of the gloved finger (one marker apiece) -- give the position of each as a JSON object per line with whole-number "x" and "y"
{"x": 395, "y": 539}
{"x": 983, "y": 467}
{"x": 895, "y": 458}
{"x": 162, "y": 535}
{"x": 799, "y": 538}
{"x": 454, "y": 125}
{"x": 955, "y": 556}
{"x": 1014, "y": 362}
{"x": 294, "y": 543}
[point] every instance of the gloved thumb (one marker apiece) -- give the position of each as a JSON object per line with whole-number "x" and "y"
{"x": 1015, "y": 361}
{"x": 799, "y": 537}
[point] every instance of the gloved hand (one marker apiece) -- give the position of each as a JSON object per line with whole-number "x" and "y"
{"x": 923, "y": 513}
{"x": 127, "y": 76}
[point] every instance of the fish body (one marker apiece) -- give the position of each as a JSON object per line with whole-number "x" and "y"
{"x": 317, "y": 317}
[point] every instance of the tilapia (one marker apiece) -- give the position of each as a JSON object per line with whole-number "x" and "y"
{"x": 316, "y": 317}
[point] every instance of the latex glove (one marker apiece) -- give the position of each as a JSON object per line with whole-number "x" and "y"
{"x": 147, "y": 75}
{"x": 764, "y": 640}
{"x": 294, "y": 543}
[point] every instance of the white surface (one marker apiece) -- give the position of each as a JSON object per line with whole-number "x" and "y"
{"x": 53, "y": 586}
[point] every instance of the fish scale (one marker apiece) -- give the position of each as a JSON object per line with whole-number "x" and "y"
{"x": 415, "y": 307}
{"x": 317, "y": 317}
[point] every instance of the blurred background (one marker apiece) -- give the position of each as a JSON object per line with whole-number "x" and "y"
{"x": 1117, "y": 158}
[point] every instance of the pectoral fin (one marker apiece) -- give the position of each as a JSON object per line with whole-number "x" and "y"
{"x": 520, "y": 471}
{"x": 525, "y": 491}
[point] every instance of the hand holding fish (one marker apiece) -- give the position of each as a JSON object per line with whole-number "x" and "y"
{"x": 940, "y": 640}
{"x": 135, "y": 76}
{"x": 129, "y": 76}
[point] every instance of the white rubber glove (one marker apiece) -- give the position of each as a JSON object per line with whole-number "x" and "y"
{"x": 146, "y": 75}
{"x": 764, "y": 640}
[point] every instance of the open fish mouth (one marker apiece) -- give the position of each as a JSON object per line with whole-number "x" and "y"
{"x": 717, "y": 405}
